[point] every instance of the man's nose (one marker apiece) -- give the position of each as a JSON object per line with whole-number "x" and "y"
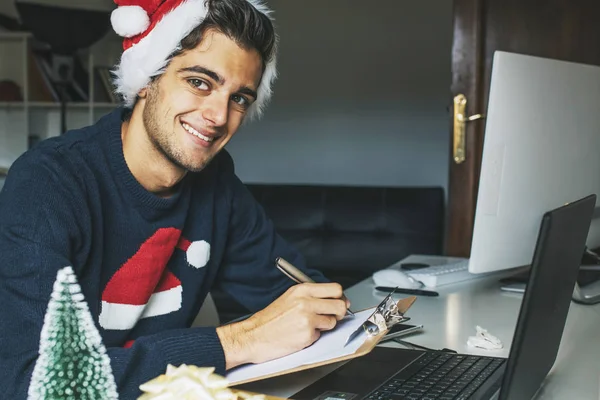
{"x": 216, "y": 109}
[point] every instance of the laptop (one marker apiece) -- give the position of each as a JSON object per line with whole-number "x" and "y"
{"x": 390, "y": 373}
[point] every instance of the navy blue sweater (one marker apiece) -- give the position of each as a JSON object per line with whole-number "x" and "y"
{"x": 145, "y": 263}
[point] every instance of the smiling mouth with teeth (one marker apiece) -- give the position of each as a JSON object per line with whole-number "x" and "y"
{"x": 196, "y": 133}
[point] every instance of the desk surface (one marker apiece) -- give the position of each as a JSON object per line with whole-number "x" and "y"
{"x": 451, "y": 318}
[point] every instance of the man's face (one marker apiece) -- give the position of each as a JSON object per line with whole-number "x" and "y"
{"x": 197, "y": 105}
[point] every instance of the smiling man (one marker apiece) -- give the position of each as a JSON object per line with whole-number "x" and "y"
{"x": 146, "y": 207}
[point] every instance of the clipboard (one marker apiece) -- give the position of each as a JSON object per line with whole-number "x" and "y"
{"x": 365, "y": 347}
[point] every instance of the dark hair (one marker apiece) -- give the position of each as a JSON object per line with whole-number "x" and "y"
{"x": 239, "y": 21}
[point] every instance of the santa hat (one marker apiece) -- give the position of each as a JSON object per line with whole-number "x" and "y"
{"x": 153, "y": 30}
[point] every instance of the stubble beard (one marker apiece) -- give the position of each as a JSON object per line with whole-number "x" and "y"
{"x": 159, "y": 135}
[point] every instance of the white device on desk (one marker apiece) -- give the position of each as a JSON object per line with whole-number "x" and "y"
{"x": 395, "y": 278}
{"x": 541, "y": 150}
{"x": 429, "y": 271}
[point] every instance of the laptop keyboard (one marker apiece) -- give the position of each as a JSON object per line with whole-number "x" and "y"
{"x": 440, "y": 376}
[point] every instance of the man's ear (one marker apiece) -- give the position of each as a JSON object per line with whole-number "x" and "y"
{"x": 143, "y": 93}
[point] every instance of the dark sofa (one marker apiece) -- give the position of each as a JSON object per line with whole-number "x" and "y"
{"x": 349, "y": 232}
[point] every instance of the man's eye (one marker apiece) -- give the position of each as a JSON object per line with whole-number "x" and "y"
{"x": 240, "y": 100}
{"x": 198, "y": 83}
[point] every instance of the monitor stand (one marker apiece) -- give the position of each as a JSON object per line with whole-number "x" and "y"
{"x": 587, "y": 286}
{"x": 516, "y": 283}
{"x": 588, "y": 294}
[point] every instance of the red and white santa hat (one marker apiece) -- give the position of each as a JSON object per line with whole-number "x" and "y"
{"x": 153, "y": 30}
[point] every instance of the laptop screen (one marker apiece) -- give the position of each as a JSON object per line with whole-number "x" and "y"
{"x": 546, "y": 301}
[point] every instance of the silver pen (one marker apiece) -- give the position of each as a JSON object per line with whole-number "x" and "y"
{"x": 298, "y": 276}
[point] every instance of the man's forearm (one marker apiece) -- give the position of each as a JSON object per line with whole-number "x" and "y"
{"x": 237, "y": 341}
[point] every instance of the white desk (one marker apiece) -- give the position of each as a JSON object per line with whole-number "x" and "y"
{"x": 451, "y": 318}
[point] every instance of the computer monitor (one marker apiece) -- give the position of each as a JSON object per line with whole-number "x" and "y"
{"x": 541, "y": 150}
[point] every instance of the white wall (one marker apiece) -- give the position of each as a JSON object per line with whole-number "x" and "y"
{"x": 361, "y": 97}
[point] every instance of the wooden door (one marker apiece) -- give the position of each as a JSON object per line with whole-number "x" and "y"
{"x": 560, "y": 29}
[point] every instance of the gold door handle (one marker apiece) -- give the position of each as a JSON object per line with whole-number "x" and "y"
{"x": 459, "y": 127}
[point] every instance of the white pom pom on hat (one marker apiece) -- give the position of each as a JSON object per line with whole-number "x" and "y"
{"x": 128, "y": 21}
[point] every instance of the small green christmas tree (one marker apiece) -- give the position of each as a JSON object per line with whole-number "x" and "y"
{"x": 73, "y": 363}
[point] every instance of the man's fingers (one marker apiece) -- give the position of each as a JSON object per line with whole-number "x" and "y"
{"x": 348, "y": 304}
{"x": 321, "y": 290}
{"x": 331, "y": 307}
{"x": 325, "y": 322}
{"x": 321, "y": 298}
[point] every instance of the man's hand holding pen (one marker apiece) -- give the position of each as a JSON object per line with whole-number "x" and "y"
{"x": 300, "y": 277}
{"x": 292, "y": 322}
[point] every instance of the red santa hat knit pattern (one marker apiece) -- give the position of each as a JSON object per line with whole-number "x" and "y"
{"x": 152, "y": 31}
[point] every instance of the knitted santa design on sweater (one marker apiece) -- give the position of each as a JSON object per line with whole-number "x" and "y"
{"x": 143, "y": 287}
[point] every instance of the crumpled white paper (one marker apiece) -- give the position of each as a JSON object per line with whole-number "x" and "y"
{"x": 484, "y": 340}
